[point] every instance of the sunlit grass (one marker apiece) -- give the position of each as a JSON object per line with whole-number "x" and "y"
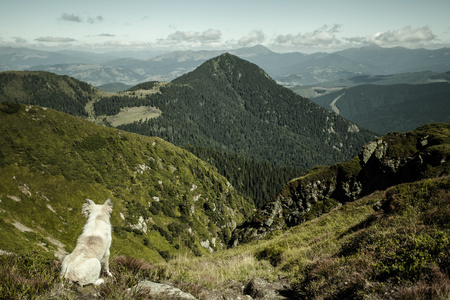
{"x": 283, "y": 254}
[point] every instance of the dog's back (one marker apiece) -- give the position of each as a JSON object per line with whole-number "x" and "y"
{"x": 83, "y": 265}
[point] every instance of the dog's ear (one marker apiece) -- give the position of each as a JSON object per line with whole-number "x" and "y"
{"x": 87, "y": 206}
{"x": 109, "y": 204}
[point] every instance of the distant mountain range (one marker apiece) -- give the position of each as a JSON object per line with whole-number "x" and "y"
{"x": 424, "y": 77}
{"x": 286, "y": 68}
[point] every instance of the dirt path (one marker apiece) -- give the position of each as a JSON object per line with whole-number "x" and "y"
{"x": 333, "y": 104}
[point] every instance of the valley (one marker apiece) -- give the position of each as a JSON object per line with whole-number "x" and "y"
{"x": 333, "y": 104}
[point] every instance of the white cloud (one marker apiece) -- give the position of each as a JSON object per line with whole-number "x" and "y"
{"x": 254, "y": 37}
{"x": 19, "y": 40}
{"x": 121, "y": 44}
{"x": 50, "y": 39}
{"x": 97, "y": 19}
{"x": 328, "y": 38}
{"x": 405, "y": 36}
{"x": 183, "y": 36}
{"x": 71, "y": 18}
{"x": 211, "y": 35}
{"x": 324, "y": 36}
{"x": 77, "y": 19}
{"x": 206, "y": 37}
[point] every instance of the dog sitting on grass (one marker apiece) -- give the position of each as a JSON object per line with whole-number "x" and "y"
{"x": 83, "y": 265}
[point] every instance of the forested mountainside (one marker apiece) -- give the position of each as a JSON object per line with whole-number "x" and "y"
{"x": 166, "y": 200}
{"x": 390, "y": 160}
{"x": 387, "y": 108}
{"x": 259, "y": 180}
{"x": 113, "y": 87}
{"x": 423, "y": 77}
{"x": 62, "y": 93}
{"x": 231, "y": 105}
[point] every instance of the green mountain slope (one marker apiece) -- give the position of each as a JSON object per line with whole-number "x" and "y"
{"x": 62, "y": 93}
{"x": 113, "y": 87}
{"x": 231, "y": 105}
{"x": 166, "y": 200}
{"x": 387, "y": 108}
{"x": 423, "y": 77}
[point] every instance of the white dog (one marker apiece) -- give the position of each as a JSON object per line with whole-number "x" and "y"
{"x": 83, "y": 265}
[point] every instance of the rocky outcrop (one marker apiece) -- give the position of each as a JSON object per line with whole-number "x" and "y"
{"x": 258, "y": 288}
{"x": 393, "y": 159}
{"x": 160, "y": 290}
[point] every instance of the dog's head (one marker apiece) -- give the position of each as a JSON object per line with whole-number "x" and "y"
{"x": 89, "y": 207}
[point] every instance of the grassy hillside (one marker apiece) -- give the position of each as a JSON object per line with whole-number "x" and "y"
{"x": 354, "y": 252}
{"x": 166, "y": 200}
{"x": 388, "y": 108}
{"x": 400, "y": 251}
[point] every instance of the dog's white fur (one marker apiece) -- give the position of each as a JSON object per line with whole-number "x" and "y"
{"x": 83, "y": 265}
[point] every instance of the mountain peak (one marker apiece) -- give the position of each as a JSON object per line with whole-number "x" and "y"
{"x": 253, "y": 51}
{"x": 229, "y": 67}
{"x": 235, "y": 107}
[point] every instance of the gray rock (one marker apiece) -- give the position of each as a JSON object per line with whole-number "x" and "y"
{"x": 159, "y": 289}
{"x": 259, "y": 288}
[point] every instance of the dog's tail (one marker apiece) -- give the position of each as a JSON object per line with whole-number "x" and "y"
{"x": 65, "y": 266}
{"x": 64, "y": 269}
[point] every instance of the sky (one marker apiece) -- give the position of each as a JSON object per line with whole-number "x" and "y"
{"x": 282, "y": 26}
